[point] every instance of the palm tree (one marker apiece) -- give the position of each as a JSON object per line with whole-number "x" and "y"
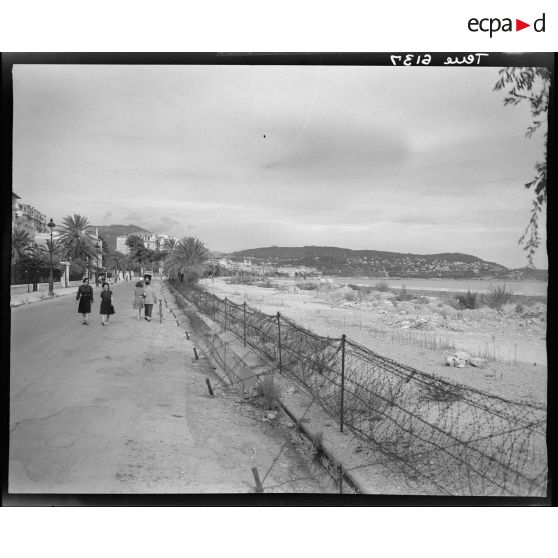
{"x": 21, "y": 244}
{"x": 187, "y": 260}
{"x": 74, "y": 239}
{"x": 55, "y": 247}
{"x": 21, "y": 248}
{"x": 170, "y": 244}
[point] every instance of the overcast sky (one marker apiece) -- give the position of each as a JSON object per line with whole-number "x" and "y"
{"x": 420, "y": 160}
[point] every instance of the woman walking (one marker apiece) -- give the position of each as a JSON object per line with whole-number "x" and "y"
{"x": 150, "y": 298}
{"x": 106, "y": 304}
{"x": 85, "y": 298}
{"x": 137, "y": 302}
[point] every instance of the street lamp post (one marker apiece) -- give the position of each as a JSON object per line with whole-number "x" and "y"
{"x": 97, "y": 248}
{"x": 51, "y": 226}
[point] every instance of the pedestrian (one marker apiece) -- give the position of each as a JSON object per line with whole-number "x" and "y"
{"x": 85, "y": 298}
{"x": 150, "y": 298}
{"x": 137, "y": 301}
{"x": 107, "y": 309}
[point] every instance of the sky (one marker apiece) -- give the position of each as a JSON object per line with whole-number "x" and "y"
{"x": 405, "y": 159}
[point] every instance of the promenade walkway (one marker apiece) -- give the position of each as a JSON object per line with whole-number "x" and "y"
{"x": 125, "y": 409}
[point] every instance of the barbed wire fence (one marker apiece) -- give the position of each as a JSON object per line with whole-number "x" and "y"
{"x": 453, "y": 438}
{"x": 231, "y": 364}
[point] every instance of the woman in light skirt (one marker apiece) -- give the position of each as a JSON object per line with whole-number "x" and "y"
{"x": 137, "y": 301}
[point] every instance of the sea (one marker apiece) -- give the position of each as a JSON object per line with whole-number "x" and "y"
{"x": 524, "y": 288}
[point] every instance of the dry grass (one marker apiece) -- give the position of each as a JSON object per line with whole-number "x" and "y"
{"x": 317, "y": 440}
{"x": 497, "y": 296}
{"x": 423, "y": 340}
{"x": 267, "y": 392}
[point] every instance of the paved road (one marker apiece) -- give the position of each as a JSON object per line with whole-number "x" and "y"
{"x": 124, "y": 409}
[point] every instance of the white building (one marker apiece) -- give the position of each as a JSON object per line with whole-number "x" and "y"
{"x": 121, "y": 244}
{"x": 150, "y": 240}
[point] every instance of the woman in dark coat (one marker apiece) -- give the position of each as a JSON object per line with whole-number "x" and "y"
{"x": 106, "y": 304}
{"x": 85, "y": 297}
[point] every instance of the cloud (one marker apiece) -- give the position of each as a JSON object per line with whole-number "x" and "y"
{"x": 170, "y": 221}
{"x": 386, "y": 158}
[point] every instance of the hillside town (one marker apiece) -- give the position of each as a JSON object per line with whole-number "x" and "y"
{"x": 318, "y": 260}
{"x": 114, "y": 248}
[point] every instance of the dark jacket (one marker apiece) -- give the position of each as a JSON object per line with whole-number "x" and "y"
{"x": 85, "y": 292}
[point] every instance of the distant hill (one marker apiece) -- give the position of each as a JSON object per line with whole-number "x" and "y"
{"x": 109, "y": 233}
{"x": 344, "y": 261}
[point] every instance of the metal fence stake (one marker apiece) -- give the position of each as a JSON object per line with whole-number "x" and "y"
{"x": 244, "y": 323}
{"x": 343, "y": 339}
{"x": 209, "y": 386}
{"x": 279, "y": 341}
{"x": 259, "y": 487}
{"x": 225, "y": 301}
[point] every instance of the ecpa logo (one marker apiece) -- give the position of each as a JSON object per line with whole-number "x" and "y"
{"x": 494, "y": 24}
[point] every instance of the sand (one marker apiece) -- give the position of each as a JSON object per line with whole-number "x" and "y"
{"x": 420, "y": 333}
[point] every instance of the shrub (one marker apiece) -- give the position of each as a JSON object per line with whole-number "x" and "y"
{"x": 351, "y": 296}
{"x": 381, "y": 286}
{"x": 362, "y": 289}
{"x": 468, "y": 301}
{"x": 268, "y": 392}
{"x": 307, "y": 286}
{"x": 453, "y": 302}
{"x": 403, "y": 295}
{"x": 519, "y": 309}
{"x": 497, "y": 296}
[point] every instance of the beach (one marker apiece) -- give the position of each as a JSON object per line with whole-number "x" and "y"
{"x": 421, "y": 332}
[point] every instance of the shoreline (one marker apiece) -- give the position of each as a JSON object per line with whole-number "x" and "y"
{"x": 483, "y": 287}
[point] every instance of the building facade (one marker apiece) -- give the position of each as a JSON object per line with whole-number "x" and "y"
{"x": 150, "y": 240}
{"x": 26, "y": 217}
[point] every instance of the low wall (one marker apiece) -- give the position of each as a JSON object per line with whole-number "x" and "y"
{"x": 20, "y": 289}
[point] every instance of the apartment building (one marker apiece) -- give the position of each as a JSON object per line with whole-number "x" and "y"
{"x": 150, "y": 240}
{"x": 27, "y": 218}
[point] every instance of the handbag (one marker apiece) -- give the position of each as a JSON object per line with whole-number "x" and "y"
{"x": 112, "y": 310}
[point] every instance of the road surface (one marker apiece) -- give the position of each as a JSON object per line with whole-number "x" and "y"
{"x": 125, "y": 409}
